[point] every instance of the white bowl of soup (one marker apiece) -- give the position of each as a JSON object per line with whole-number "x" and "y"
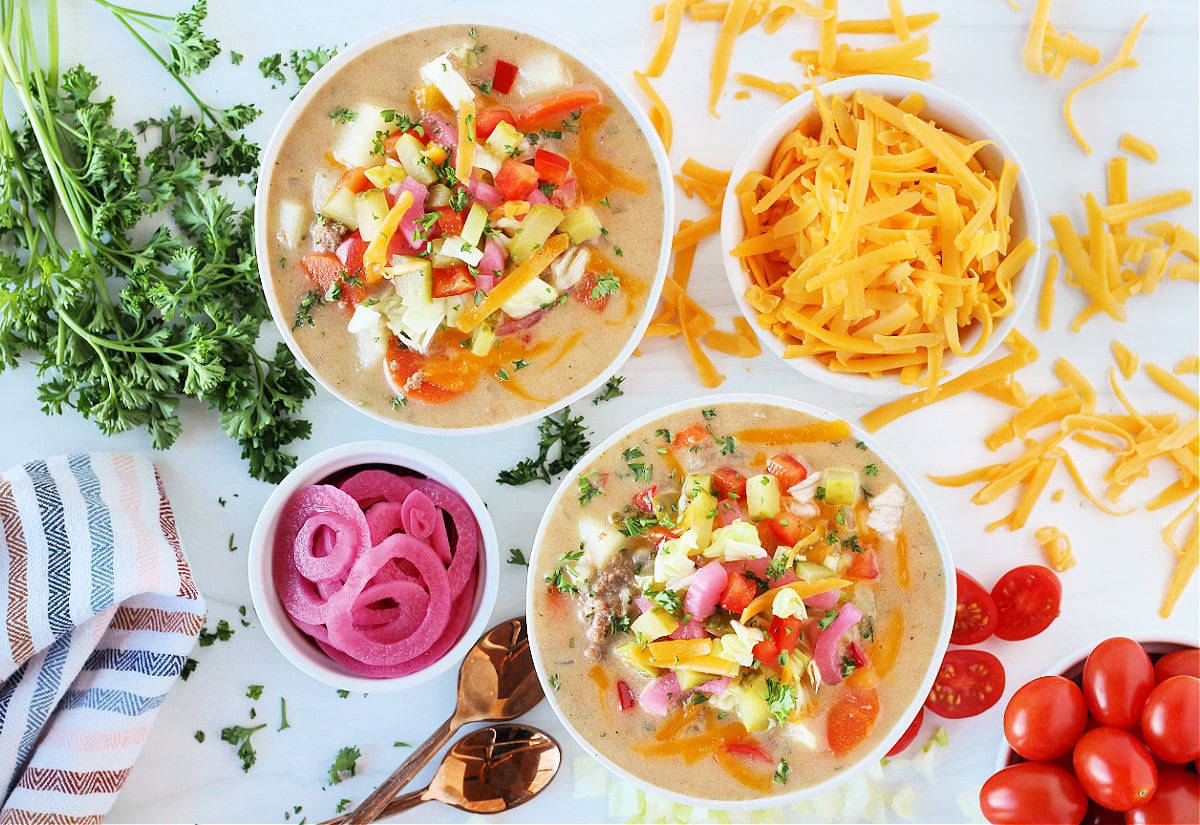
{"x": 738, "y": 600}
{"x": 462, "y": 224}
{"x": 853, "y": 285}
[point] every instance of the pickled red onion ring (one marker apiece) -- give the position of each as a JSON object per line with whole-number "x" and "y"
{"x": 466, "y": 545}
{"x": 424, "y": 520}
{"x": 370, "y": 486}
{"x": 383, "y": 519}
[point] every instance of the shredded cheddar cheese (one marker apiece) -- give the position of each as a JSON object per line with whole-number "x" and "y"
{"x": 660, "y": 115}
{"x": 1189, "y": 364}
{"x": 1136, "y": 146}
{"x": 1127, "y": 360}
{"x": 1123, "y": 60}
{"x": 1057, "y": 547}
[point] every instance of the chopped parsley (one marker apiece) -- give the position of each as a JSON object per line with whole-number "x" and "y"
{"x": 313, "y": 299}
{"x": 254, "y": 692}
{"x": 563, "y": 577}
{"x": 667, "y": 599}
{"x": 240, "y": 736}
{"x": 189, "y": 667}
{"x": 871, "y": 469}
{"x": 589, "y": 487}
{"x": 199, "y": 736}
{"x": 555, "y": 682}
{"x": 346, "y": 762}
{"x": 340, "y": 114}
{"x": 781, "y": 699}
{"x": 566, "y": 433}
{"x": 517, "y": 556}
{"x": 223, "y": 633}
{"x": 641, "y": 471}
{"x": 781, "y": 772}
{"x": 283, "y": 722}
{"x": 612, "y": 389}
{"x": 606, "y": 284}
{"x": 829, "y": 618}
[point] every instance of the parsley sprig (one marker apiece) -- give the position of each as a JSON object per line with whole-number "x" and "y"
{"x": 566, "y": 434}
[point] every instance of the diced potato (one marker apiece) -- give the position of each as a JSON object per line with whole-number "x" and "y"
{"x": 581, "y": 224}
{"x": 385, "y": 174}
{"x": 410, "y": 152}
{"x": 370, "y": 208}
{"x": 697, "y": 482}
{"x": 340, "y": 207}
{"x": 530, "y": 298}
{"x": 357, "y": 138}
{"x": 752, "y": 707}
{"x": 504, "y": 139}
{"x": 404, "y": 264}
{"x": 699, "y": 517}
{"x": 291, "y": 223}
{"x": 440, "y": 74}
{"x": 483, "y": 337}
{"x": 486, "y": 160}
{"x": 455, "y": 246}
{"x": 569, "y": 268}
{"x": 762, "y": 497}
{"x": 542, "y": 73}
{"x": 689, "y": 679}
{"x": 654, "y": 624}
{"x": 538, "y": 225}
{"x": 601, "y": 540}
{"x": 841, "y": 487}
{"x": 366, "y": 324}
{"x": 474, "y": 225}
{"x": 637, "y": 658}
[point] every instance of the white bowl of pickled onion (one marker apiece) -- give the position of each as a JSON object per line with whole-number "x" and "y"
{"x": 948, "y": 112}
{"x": 374, "y": 567}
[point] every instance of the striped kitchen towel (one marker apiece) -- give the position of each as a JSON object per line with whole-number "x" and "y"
{"x": 100, "y": 613}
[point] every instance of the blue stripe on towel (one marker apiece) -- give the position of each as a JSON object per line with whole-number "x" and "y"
{"x": 58, "y": 560}
{"x": 114, "y": 701}
{"x": 140, "y": 661}
{"x": 99, "y": 527}
{"x": 44, "y": 693}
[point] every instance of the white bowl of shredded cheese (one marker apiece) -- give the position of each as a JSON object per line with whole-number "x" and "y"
{"x": 848, "y": 280}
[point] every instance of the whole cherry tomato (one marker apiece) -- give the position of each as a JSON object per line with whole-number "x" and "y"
{"x": 1177, "y": 800}
{"x": 1184, "y": 662}
{"x": 1045, "y": 718}
{"x": 1117, "y": 678}
{"x": 1033, "y": 792}
{"x": 1027, "y": 600}
{"x": 974, "y": 612}
{"x": 1114, "y": 768}
{"x": 968, "y": 683}
{"x": 909, "y": 734}
{"x": 1171, "y": 720}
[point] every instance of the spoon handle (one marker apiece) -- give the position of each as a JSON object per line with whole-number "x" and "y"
{"x": 397, "y": 805}
{"x": 372, "y": 807}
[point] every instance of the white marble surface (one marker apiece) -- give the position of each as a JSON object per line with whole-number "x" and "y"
{"x": 1123, "y": 566}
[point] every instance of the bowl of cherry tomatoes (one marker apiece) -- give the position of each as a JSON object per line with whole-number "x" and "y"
{"x": 1112, "y": 735}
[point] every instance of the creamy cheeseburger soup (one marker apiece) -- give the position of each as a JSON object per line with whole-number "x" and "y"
{"x": 737, "y": 601}
{"x": 465, "y": 224}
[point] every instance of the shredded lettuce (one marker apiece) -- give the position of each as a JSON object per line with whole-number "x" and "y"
{"x": 738, "y": 646}
{"x": 735, "y": 542}
{"x": 672, "y": 562}
{"x": 591, "y": 778}
{"x": 787, "y": 603}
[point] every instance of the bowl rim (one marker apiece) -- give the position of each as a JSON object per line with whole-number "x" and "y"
{"x": 1160, "y": 639}
{"x": 771, "y": 132}
{"x": 412, "y": 26}
{"x": 289, "y": 640}
{"x": 905, "y": 718}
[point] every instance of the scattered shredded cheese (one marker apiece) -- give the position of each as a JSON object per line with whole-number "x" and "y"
{"x": 660, "y": 115}
{"x": 1127, "y": 360}
{"x": 1123, "y": 60}
{"x": 1057, "y": 547}
{"x": 1136, "y": 146}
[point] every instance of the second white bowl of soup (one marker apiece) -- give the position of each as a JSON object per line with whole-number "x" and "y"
{"x": 738, "y": 600}
{"x": 462, "y": 224}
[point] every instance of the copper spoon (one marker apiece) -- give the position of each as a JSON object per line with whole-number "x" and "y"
{"x": 488, "y": 771}
{"x": 496, "y": 683}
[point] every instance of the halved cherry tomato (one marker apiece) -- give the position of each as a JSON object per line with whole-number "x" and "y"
{"x": 691, "y": 436}
{"x": 1117, "y": 678}
{"x": 728, "y": 482}
{"x": 515, "y": 180}
{"x": 1033, "y": 792}
{"x": 787, "y": 468}
{"x": 910, "y": 733}
{"x": 551, "y": 166}
{"x": 1114, "y": 768}
{"x": 1045, "y": 718}
{"x": 748, "y": 750}
{"x": 1184, "y": 662}
{"x": 625, "y": 700}
{"x": 487, "y": 121}
{"x": 327, "y": 272}
{"x": 786, "y": 528}
{"x": 452, "y": 280}
{"x": 550, "y": 110}
{"x": 968, "y": 683}
{"x": 449, "y": 222}
{"x": 739, "y": 592}
{"x": 503, "y": 76}
{"x": 586, "y": 293}
{"x": 1176, "y": 800}
{"x": 1028, "y": 600}
{"x": 1171, "y": 720}
{"x": 974, "y": 612}
{"x": 786, "y": 632}
{"x": 863, "y": 565}
{"x": 644, "y": 500}
{"x": 851, "y": 719}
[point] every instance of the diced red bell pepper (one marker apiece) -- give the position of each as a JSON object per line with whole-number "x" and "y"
{"x": 728, "y": 482}
{"x": 689, "y": 437}
{"x": 325, "y": 271}
{"x": 625, "y": 700}
{"x": 503, "y": 76}
{"x": 785, "y": 632}
{"x": 350, "y": 252}
{"x": 739, "y": 592}
{"x": 587, "y": 294}
{"x": 787, "y": 468}
{"x": 551, "y": 167}
{"x": 452, "y": 280}
{"x": 487, "y": 121}
{"x": 354, "y": 179}
{"x": 515, "y": 180}
{"x": 767, "y": 653}
{"x": 864, "y": 565}
{"x": 785, "y": 528}
{"x": 449, "y": 222}
{"x": 644, "y": 500}
{"x": 748, "y": 750}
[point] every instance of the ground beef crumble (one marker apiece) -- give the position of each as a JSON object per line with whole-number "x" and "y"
{"x": 328, "y": 235}
{"x": 611, "y": 592}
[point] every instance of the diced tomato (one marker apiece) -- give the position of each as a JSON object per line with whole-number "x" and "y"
{"x": 452, "y": 280}
{"x": 787, "y": 468}
{"x": 515, "y": 180}
{"x": 863, "y": 565}
{"x": 748, "y": 750}
{"x": 350, "y": 252}
{"x": 658, "y": 534}
{"x": 551, "y": 167}
{"x": 449, "y": 222}
{"x": 389, "y": 142}
{"x": 586, "y": 293}
{"x": 689, "y": 437}
{"x": 785, "y": 632}
{"x": 644, "y": 500}
{"x": 728, "y": 482}
{"x": 503, "y": 76}
{"x": 851, "y": 719}
{"x": 767, "y": 653}
{"x": 354, "y": 179}
{"x": 326, "y": 271}
{"x": 625, "y": 700}
{"x": 551, "y": 110}
{"x": 786, "y": 528}
{"x": 403, "y": 364}
{"x": 739, "y": 592}
{"x": 487, "y": 121}
{"x": 729, "y": 511}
